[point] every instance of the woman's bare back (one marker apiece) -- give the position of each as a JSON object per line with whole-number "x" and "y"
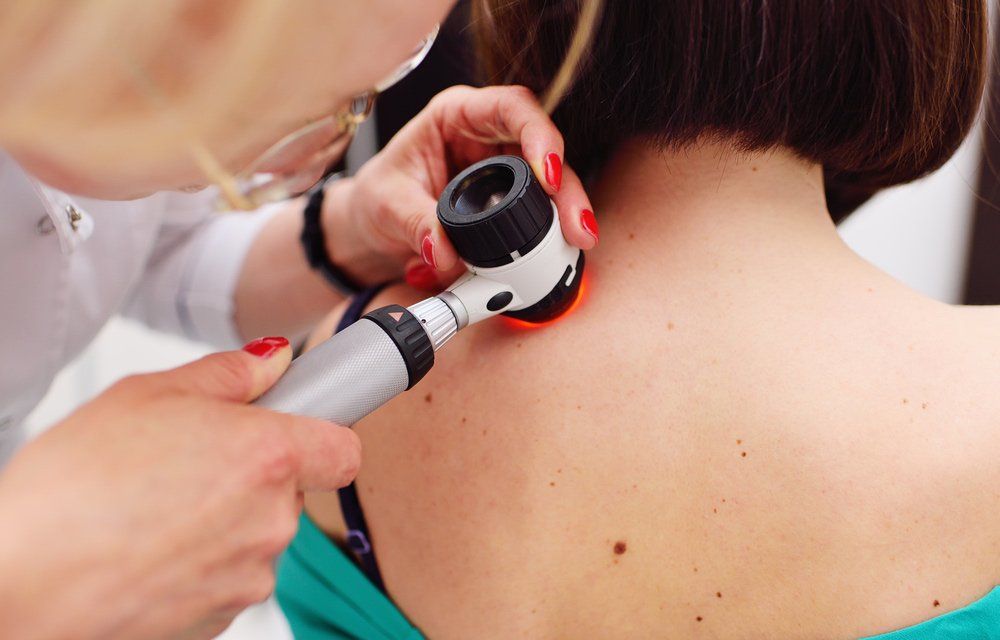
{"x": 744, "y": 431}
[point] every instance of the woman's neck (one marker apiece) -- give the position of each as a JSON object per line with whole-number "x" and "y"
{"x": 711, "y": 207}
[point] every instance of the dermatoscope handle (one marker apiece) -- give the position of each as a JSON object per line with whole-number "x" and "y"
{"x": 363, "y": 366}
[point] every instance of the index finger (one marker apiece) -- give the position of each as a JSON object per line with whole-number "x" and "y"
{"x": 328, "y": 455}
{"x": 512, "y": 114}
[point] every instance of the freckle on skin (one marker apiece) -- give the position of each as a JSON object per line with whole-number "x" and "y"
{"x": 718, "y": 594}
{"x": 552, "y": 484}
{"x": 670, "y": 326}
{"x": 905, "y": 401}
{"x": 464, "y": 419}
{"x": 631, "y": 236}
{"x": 743, "y": 455}
{"x": 428, "y": 398}
{"x": 484, "y": 432}
{"x": 699, "y": 618}
{"x": 714, "y": 510}
{"x": 937, "y": 604}
{"x": 558, "y": 470}
{"x": 620, "y": 547}
{"x": 739, "y": 442}
{"x": 923, "y": 405}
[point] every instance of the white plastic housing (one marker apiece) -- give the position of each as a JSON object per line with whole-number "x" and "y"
{"x": 529, "y": 277}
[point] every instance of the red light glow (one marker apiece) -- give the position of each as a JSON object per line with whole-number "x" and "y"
{"x": 581, "y": 294}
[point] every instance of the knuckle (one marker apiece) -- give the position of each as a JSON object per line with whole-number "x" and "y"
{"x": 131, "y": 384}
{"x": 451, "y": 93}
{"x": 279, "y": 537}
{"x": 414, "y": 227}
{"x": 276, "y": 461}
{"x": 254, "y": 591}
{"x": 520, "y": 92}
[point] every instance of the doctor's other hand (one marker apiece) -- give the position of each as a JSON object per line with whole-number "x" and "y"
{"x": 157, "y": 510}
{"x": 382, "y": 222}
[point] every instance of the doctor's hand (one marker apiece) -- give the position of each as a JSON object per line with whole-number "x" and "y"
{"x": 157, "y": 510}
{"x": 383, "y": 222}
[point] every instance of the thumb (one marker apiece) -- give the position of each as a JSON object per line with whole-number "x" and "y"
{"x": 235, "y": 376}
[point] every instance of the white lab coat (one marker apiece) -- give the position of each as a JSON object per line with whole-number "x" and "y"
{"x": 67, "y": 264}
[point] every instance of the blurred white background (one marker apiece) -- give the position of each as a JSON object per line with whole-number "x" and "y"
{"x": 919, "y": 233}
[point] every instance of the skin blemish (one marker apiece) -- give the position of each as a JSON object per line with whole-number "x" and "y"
{"x": 552, "y": 484}
{"x": 631, "y": 236}
{"x": 715, "y": 510}
{"x": 739, "y": 442}
{"x": 464, "y": 419}
{"x": 518, "y": 345}
{"x": 620, "y": 547}
{"x": 718, "y": 594}
{"x": 484, "y": 432}
{"x": 699, "y": 618}
{"x": 937, "y": 604}
{"x": 923, "y": 405}
{"x": 428, "y": 398}
{"x": 906, "y": 401}
{"x": 670, "y": 326}
{"x": 743, "y": 454}
{"x": 558, "y": 470}
{"x": 696, "y": 569}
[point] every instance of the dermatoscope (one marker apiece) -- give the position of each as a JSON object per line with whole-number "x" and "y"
{"x": 507, "y": 232}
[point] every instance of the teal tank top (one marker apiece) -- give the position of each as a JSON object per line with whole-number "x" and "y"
{"x": 325, "y": 596}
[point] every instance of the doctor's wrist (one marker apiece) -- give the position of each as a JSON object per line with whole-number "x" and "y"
{"x": 347, "y": 241}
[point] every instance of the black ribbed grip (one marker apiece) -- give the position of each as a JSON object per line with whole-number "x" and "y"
{"x": 494, "y": 208}
{"x": 409, "y": 336}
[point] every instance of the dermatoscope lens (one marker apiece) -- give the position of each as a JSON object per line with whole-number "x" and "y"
{"x": 483, "y": 190}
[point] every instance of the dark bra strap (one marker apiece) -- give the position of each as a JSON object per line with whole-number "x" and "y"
{"x": 358, "y": 537}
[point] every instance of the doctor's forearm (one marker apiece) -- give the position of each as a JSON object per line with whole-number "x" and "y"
{"x": 277, "y": 292}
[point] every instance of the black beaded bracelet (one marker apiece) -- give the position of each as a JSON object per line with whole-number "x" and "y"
{"x": 313, "y": 240}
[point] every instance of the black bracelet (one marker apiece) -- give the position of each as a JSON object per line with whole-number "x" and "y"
{"x": 313, "y": 241}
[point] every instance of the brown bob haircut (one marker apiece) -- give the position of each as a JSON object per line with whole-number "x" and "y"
{"x": 879, "y": 92}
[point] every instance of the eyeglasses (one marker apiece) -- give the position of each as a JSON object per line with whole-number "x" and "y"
{"x": 298, "y": 161}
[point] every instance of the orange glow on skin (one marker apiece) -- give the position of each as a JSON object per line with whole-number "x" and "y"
{"x": 581, "y": 294}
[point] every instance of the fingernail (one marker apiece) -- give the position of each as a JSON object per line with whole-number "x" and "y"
{"x": 265, "y": 347}
{"x": 553, "y": 171}
{"x": 422, "y": 277}
{"x": 427, "y": 251}
{"x": 589, "y": 223}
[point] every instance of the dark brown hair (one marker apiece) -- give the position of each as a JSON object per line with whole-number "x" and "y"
{"x": 880, "y": 92}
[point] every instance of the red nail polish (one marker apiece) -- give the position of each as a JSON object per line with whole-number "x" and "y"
{"x": 589, "y": 223}
{"x": 553, "y": 170}
{"x": 427, "y": 251}
{"x": 265, "y": 347}
{"x": 422, "y": 277}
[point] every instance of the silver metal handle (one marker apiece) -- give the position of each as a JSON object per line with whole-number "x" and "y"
{"x": 342, "y": 380}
